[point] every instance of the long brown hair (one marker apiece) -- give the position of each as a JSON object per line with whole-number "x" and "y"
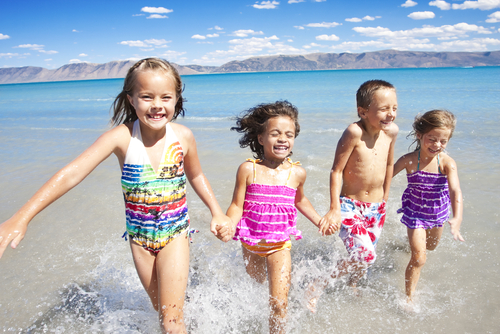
{"x": 123, "y": 111}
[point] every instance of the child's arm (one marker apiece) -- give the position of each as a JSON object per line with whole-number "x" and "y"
{"x": 392, "y": 133}
{"x": 220, "y": 223}
{"x": 303, "y": 204}
{"x": 345, "y": 147}
{"x": 401, "y": 164}
{"x": 450, "y": 168}
{"x": 113, "y": 141}
{"x": 235, "y": 210}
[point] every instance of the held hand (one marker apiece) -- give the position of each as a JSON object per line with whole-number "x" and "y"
{"x": 222, "y": 227}
{"x": 455, "y": 229}
{"x": 330, "y": 223}
{"x": 12, "y": 231}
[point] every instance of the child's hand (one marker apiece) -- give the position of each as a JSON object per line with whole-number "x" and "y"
{"x": 330, "y": 223}
{"x": 222, "y": 227}
{"x": 12, "y": 231}
{"x": 455, "y": 229}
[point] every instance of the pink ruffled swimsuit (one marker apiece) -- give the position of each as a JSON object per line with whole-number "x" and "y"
{"x": 269, "y": 213}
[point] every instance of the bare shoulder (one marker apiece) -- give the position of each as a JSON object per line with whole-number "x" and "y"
{"x": 246, "y": 167}
{"x": 447, "y": 163}
{"x": 300, "y": 173}
{"x": 181, "y": 131}
{"x": 353, "y": 131}
{"x": 393, "y": 131}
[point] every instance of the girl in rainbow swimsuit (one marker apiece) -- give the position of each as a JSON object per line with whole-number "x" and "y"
{"x": 157, "y": 158}
{"x": 267, "y": 194}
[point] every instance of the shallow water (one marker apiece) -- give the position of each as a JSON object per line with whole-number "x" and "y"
{"x": 74, "y": 274}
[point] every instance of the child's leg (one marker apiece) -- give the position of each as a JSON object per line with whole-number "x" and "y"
{"x": 255, "y": 265}
{"x": 164, "y": 278}
{"x": 145, "y": 264}
{"x": 279, "y": 266}
{"x": 433, "y": 237}
{"x": 417, "y": 239}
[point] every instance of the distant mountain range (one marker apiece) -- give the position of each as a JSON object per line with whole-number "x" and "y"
{"x": 310, "y": 62}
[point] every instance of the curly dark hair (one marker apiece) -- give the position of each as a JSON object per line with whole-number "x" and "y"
{"x": 437, "y": 118}
{"x": 123, "y": 111}
{"x": 253, "y": 122}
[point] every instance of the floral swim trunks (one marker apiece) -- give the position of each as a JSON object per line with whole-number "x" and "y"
{"x": 361, "y": 227}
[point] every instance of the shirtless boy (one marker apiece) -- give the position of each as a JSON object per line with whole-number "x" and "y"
{"x": 360, "y": 179}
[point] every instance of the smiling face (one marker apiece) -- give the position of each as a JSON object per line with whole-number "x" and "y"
{"x": 154, "y": 98}
{"x": 434, "y": 141}
{"x": 382, "y": 110}
{"x": 278, "y": 138}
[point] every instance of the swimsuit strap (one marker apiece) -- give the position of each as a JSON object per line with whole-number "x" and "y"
{"x": 255, "y": 161}
{"x": 439, "y": 167}
{"x": 418, "y": 163}
{"x": 254, "y": 169}
{"x": 290, "y": 173}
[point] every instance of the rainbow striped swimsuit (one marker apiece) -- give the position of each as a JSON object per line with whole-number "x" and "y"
{"x": 155, "y": 202}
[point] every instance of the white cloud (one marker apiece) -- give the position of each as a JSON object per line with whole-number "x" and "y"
{"x": 31, "y": 46}
{"x": 83, "y": 55}
{"x": 266, "y": 5}
{"x": 421, "y": 15}
{"x": 479, "y": 4}
{"x": 299, "y": 27}
{"x": 441, "y": 4}
{"x": 212, "y": 35}
{"x": 296, "y": 1}
{"x": 494, "y": 17}
{"x": 148, "y": 43}
{"x": 157, "y": 16}
{"x": 327, "y": 38}
{"x": 156, "y": 10}
{"x": 74, "y": 30}
{"x": 172, "y": 54}
{"x": 51, "y": 52}
{"x": 8, "y": 55}
{"x": 76, "y": 61}
{"x": 2, "y": 36}
{"x": 460, "y": 29}
{"x": 366, "y": 18}
{"x": 218, "y": 28}
{"x": 409, "y": 3}
{"x": 323, "y": 25}
{"x": 156, "y": 42}
{"x": 245, "y": 33}
{"x": 198, "y": 36}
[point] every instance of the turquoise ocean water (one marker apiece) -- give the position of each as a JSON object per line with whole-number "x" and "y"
{"x": 74, "y": 274}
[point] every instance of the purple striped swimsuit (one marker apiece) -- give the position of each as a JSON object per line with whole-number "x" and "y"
{"x": 269, "y": 213}
{"x": 426, "y": 200}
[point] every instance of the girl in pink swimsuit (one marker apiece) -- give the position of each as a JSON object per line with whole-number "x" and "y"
{"x": 267, "y": 194}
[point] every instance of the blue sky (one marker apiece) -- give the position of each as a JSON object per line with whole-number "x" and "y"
{"x": 51, "y": 34}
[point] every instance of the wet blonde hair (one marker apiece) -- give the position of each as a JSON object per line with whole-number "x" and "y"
{"x": 253, "y": 122}
{"x": 123, "y": 111}
{"x": 437, "y": 118}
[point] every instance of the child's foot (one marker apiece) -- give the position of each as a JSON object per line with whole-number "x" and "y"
{"x": 409, "y": 306}
{"x": 314, "y": 292}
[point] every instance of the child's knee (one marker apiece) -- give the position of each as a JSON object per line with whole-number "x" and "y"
{"x": 432, "y": 244}
{"x": 418, "y": 259}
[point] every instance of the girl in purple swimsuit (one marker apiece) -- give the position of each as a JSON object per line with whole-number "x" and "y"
{"x": 267, "y": 194}
{"x": 433, "y": 186}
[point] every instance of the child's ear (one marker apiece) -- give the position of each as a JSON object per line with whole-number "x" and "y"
{"x": 130, "y": 100}
{"x": 362, "y": 112}
{"x": 259, "y": 139}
